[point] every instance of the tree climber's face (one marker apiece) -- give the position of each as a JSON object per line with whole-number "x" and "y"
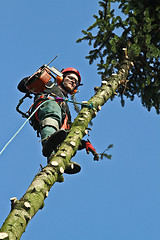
{"x": 70, "y": 81}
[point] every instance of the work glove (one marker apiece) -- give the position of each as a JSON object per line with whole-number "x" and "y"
{"x": 89, "y": 148}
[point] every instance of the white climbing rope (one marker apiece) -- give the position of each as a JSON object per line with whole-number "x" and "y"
{"x": 21, "y": 127}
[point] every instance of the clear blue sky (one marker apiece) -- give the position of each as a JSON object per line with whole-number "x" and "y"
{"x": 117, "y": 199}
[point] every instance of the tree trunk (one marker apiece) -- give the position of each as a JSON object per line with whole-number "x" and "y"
{"x": 23, "y": 210}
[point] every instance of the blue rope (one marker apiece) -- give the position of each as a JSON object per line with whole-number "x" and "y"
{"x": 83, "y": 104}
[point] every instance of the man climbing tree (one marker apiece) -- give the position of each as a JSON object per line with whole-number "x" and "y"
{"x": 52, "y": 120}
{"x": 129, "y": 65}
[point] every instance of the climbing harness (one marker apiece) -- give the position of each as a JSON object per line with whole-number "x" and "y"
{"x": 29, "y": 115}
{"x": 50, "y": 96}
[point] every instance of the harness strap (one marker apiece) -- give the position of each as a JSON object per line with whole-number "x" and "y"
{"x": 39, "y": 102}
{"x": 65, "y": 126}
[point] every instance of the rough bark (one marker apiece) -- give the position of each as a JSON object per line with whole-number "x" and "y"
{"x": 23, "y": 210}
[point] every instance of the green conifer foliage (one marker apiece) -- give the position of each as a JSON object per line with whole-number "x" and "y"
{"x": 137, "y": 29}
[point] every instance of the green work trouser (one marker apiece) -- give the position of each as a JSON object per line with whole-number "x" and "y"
{"x": 50, "y": 109}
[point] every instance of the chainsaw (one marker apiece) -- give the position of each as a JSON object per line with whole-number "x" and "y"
{"x": 36, "y": 83}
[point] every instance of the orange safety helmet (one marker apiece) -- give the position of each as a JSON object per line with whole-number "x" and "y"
{"x": 70, "y": 69}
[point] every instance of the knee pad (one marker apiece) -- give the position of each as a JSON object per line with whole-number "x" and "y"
{"x": 51, "y": 122}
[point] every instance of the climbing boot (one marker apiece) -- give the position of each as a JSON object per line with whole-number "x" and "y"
{"x": 51, "y": 143}
{"x": 73, "y": 168}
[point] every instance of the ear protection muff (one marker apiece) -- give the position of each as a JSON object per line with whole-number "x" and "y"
{"x": 74, "y": 91}
{"x": 59, "y": 80}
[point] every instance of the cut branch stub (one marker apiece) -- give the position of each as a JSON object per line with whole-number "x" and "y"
{"x": 54, "y": 163}
{"x": 27, "y": 205}
{"x": 4, "y": 235}
{"x": 13, "y": 202}
{"x": 62, "y": 154}
{"x": 61, "y": 170}
{"x": 73, "y": 144}
{"x": 13, "y": 199}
